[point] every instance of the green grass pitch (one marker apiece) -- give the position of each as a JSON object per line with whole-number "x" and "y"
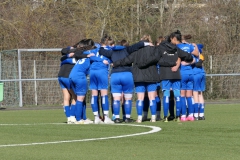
{"x": 43, "y": 134}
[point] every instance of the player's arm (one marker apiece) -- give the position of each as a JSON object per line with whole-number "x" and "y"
{"x": 106, "y": 53}
{"x": 125, "y": 61}
{"x": 175, "y": 68}
{"x": 195, "y": 52}
{"x": 184, "y": 56}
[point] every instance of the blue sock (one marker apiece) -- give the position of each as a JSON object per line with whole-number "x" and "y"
{"x": 158, "y": 101}
{"x": 66, "y": 110}
{"x": 190, "y": 105}
{"x": 153, "y": 107}
{"x": 139, "y": 107}
{"x": 184, "y": 106}
{"x": 196, "y": 106}
{"x": 165, "y": 105}
{"x": 94, "y": 103}
{"x": 84, "y": 117}
{"x": 178, "y": 106}
{"x": 73, "y": 110}
{"x": 116, "y": 107}
{"x": 79, "y": 107}
{"x": 128, "y": 107}
{"x": 105, "y": 103}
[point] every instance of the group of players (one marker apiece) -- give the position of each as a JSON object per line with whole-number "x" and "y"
{"x": 173, "y": 64}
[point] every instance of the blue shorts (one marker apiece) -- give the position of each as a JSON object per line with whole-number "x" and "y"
{"x": 187, "y": 82}
{"x": 79, "y": 85}
{"x": 141, "y": 87}
{"x": 98, "y": 79}
{"x": 122, "y": 82}
{"x": 173, "y": 84}
{"x": 158, "y": 86}
{"x": 64, "y": 83}
{"x": 199, "y": 82}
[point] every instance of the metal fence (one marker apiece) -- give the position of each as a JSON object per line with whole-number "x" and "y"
{"x": 30, "y": 77}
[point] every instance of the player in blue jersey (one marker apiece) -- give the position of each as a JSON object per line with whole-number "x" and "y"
{"x": 121, "y": 78}
{"x": 68, "y": 60}
{"x": 199, "y": 80}
{"x": 187, "y": 78}
{"x": 99, "y": 82}
{"x": 145, "y": 80}
{"x": 78, "y": 77}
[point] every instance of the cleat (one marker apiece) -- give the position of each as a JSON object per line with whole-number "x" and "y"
{"x": 79, "y": 122}
{"x": 158, "y": 119}
{"x": 165, "y": 119}
{"x": 201, "y": 118}
{"x": 153, "y": 120}
{"x": 177, "y": 119}
{"x": 117, "y": 120}
{"x": 88, "y": 121}
{"x": 190, "y": 118}
{"x": 128, "y": 120}
{"x": 139, "y": 121}
{"x": 183, "y": 119}
{"x": 170, "y": 118}
{"x": 195, "y": 118}
{"x": 108, "y": 121}
{"x": 144, "y": 118}
{"x": 98, "y": 121}
{"x": 72, "y": 120}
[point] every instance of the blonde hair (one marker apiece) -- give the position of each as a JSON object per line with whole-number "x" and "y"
{"x": 146, "y": 37}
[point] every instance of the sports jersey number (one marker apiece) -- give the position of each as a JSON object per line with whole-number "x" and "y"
{"x": 81, "y": 61}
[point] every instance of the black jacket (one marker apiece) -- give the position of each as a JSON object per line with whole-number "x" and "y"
{"x": 166, "y": 53}
{"x": 147, "y": 74}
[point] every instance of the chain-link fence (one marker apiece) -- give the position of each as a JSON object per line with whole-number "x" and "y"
{"x": 38, "y": 84}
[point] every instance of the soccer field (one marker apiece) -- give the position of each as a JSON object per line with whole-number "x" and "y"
{"x": 43, "y": 134}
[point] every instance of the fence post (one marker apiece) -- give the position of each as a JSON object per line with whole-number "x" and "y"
{"x": 211, "y": 83}
{"x": 35, "y": 82}
{"x": 20, "y": 78}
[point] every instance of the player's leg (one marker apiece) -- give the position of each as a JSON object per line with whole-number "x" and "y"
{"x": 73, "y": 105}
{"x": 166, "y": 85}
{"x": 196, "y": 92}
{"x": 65, "y": 85}
{"x": 189, "y": 97}
{"x": 116, "y": 90}
{"x": 171, "y": 106}
{"x": 151, "y": 88}
{"x": 140, "y": 90}
{"x": 158, "y": 102}
{"x": 127, "y": 88}
{"x": 201, "y": 98}
{"x": 80, "y": 91}
{"x": 145, "y": 107}
{"x": 176, "y": 91}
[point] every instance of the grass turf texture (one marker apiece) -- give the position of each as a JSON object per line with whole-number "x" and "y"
{"x": 218, "y": 137}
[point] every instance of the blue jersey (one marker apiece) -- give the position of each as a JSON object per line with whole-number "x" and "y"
{"x": 97, "y": 62}
{"x": 189, "y": 48}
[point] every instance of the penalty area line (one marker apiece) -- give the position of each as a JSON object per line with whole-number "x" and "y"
{"x": 154, "y": 130}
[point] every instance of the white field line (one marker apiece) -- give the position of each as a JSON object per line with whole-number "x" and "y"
{"x": 154, "y": 130}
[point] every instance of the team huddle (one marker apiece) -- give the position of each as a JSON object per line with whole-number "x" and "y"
{"x": 172, "y": 65}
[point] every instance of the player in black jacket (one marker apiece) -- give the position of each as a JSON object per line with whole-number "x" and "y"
{"x": 170, "y": 76}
